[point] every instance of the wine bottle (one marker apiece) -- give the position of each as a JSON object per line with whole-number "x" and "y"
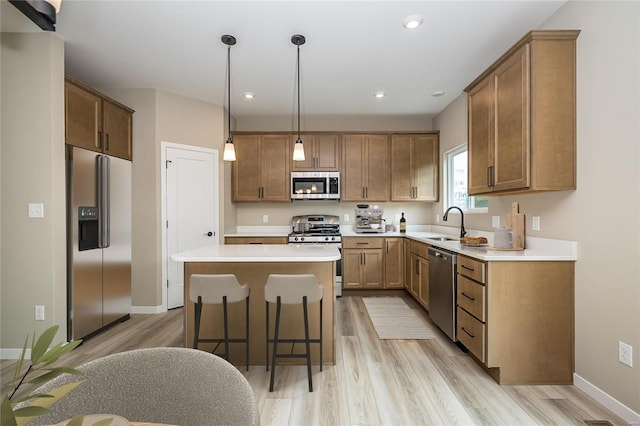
{"x": 403, "y": 224}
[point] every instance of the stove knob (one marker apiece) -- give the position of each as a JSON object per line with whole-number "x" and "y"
{"x": 301, "y": 239}
{"x": 326, "y": 238}
{"x": 333, "y": 238}
{"x": 295, "y": 239}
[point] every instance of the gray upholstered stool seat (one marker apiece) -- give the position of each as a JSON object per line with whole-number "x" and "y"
{"x": 289, "y": 290}
{"x": 218, "y": 289}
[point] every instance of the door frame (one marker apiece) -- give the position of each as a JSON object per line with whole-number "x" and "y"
{"x": 163, "y": 201}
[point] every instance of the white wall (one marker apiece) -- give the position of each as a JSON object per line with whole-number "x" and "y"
{"x": 603, "y": 213}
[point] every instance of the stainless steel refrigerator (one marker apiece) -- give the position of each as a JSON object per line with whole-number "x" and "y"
{"x": 98, "y": 241}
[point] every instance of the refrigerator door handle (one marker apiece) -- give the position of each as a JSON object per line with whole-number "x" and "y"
{"x": 104, "y": 196}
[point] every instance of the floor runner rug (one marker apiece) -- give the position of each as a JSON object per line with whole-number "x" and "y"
{"x": 393, "y": 319}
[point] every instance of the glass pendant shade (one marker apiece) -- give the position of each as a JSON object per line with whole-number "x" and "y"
{"x": 298, "y": 151}
{"x": 229, "y": 151}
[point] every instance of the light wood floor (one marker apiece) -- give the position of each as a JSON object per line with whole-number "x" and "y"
{"x": 374, "y": 382}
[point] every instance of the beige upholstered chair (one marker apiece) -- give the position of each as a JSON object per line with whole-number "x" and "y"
{"x": 218, "y": 289}
{"x": 176, "y": 386}
{"x": 293, "y": 289}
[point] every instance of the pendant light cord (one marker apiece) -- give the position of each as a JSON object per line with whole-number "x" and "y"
{"x": 229, "y": 92}
{"x": 298, "y": 94}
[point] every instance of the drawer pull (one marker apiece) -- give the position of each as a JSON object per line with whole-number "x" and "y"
{"x": 362, "y": 243}
{"x": 468, "y": 268}
{"x": 468, "y": 297}
{"x": 468, "y": 332}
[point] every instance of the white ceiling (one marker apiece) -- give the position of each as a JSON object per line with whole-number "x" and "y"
{"x": 353, "y": 49}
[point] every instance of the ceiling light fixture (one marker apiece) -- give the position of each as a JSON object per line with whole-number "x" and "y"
{"x": 412, "y": 22}
{"x": 380, "y": 95}
{"x": 249, "y": 95}
{"x": 438, "y": 93}
{"x": 298, "y": 148}
{"x": 41, "y": 12}
{"x": 229, "y": 150}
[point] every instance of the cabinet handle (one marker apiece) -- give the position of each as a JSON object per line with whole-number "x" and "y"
{"x": 100, "y": 140}
{"x": 468, "y": 297}
{"x": 362, "y": 192}
{"x": 468, "y": 332}
{"x": 364, "y": 258}
{"x": 362, "y": 243}
{"x": 387, "y": 247}
{"x": 107, "y": 138}
{"x": 488, "y": 176}
{"x": 467, "y": 268}
{"x": 417, "y": 267}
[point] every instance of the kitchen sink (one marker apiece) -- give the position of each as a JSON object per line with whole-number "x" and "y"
{"x": 441, "y": 239}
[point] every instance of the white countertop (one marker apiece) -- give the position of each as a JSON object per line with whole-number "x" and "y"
{"x": 259, "y": 253}
{"x": 537, "y": 249}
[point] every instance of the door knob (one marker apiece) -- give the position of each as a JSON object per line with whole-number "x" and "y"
{"x": 209, "y": 234}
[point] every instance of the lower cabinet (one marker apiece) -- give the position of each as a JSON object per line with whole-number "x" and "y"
{"x": 407, "y": 264}
{"x": 394, "y": 263}
{"x": 362, "y": 263}
{"x": 419, "y": 282}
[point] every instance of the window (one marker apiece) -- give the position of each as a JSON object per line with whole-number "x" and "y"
{"x": 455, "y": 166}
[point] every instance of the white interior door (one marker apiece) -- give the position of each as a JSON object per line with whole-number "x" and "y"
{"x": 190, "y": 207}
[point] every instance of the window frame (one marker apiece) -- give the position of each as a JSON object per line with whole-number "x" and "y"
{"x": 448, "y": 183}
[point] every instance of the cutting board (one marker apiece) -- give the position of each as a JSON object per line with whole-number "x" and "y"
{"x": 515, "y": 222}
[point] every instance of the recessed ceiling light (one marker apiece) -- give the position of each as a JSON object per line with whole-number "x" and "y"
{"x": 379, "y": 95}
{"x": 412, "y": 22}
{"x": 437, "y": 93}
{"x": 249, "y": 95}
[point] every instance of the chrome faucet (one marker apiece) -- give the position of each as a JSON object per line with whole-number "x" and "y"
{"x": 463, "y": 232}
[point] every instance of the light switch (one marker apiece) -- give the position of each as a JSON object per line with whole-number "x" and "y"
{"x": 36, "y": 210}
{"x": 535, "y": 223}
{"x": 346, "y": 217}
{"x": 495, "y": 221}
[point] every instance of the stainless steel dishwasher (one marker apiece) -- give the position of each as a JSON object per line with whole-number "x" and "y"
{"x": 442, "y": 290}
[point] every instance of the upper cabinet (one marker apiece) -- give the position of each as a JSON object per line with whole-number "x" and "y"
{"x": 321, "y": 152}
{"x": 414, "y": 167}
{"x": 365, "y": 160}
{"x": 522, "y": 118}
{"x": 95, "y": 122}
{"x": 261, "y": 171}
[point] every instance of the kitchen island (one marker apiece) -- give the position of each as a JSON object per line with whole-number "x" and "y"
{"x": 252, "y": 264}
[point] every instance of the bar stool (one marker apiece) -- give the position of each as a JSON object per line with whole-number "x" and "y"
{"x": 218, "y": 289}
{"x": 292, "y": 290}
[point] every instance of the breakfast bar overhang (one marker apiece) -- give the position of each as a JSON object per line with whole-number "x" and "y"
{"x": 252, "y": 264}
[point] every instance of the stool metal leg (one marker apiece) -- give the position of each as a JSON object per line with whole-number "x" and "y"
{"x": 246, "y": 335}
{"x": 226, "y": 328}
{"x": 275, "y": 345}
{"x": 197, "y": 308}
{"x": 306, "y": 341}
{"x": 267, "y": 334}
{"x": 320, "y": 334}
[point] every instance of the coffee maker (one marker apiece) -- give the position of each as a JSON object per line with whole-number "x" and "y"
{"x": 369, "y": 219}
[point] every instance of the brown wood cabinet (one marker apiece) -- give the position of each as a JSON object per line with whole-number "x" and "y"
{"x": 419, "y": 287}
{"x": 394, "y": 263}
{"x": 261, "y": 169}
{"x": 256, "y": 240}
{"x": 366, "y": 173}
{"x": 94, "y": 121}
{"x": 522, "y": 118}
{"x": 407, "y": 264}
{"x": 414, "y": 167}
{"x": 322, "y": 153}
{"x": 516, "y": 318}
{"x": 362, "y": 263}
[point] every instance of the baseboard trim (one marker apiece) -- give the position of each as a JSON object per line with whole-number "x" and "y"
{"x": 148, "y": 309}
{"x": 618, "y": 408}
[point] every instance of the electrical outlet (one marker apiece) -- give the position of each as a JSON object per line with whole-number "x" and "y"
{"x": 495, "y": 221}
{"x": 535, "y": 223}
{"x": 265, "y": 218}
{"x": 39, "y": 313}
{"x": 625, "y": 353}
{"x": 437, "y": 218}
{"x": 36, "y": 210}
{"x": 346, "y": 217}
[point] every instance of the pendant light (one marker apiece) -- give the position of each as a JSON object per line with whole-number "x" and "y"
{"x": 229, "y": 150}
{"x": 298, "y": 148}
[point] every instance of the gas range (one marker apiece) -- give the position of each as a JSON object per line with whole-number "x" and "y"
{"x": 319, "y": 229}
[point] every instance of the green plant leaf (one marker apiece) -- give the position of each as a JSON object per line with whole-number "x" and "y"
{"x": 53, "y": 354}
{"x": 30, "y": 397}
{"x": 76, "y": 421}
{"x": 43, "y": 343}
{"x": 54, "y": 372}
{"x": 7, "y": 418}
{"x": 47, "y": 402}
{"x": 20, "y": 362}
{"x": 31, "y": 411}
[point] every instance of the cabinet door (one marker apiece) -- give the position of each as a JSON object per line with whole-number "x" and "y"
{"x": 394, "y": 263}
{"x": 402, "y": 168}
{"x": 415, "y": 276}
{"x": 351, "y": 260}
{"x": 246, "y": 170}
{"x": 83, "y": 118}
{"x": 275, "y": 168}
{"x": 407, "y": 263}
{"x": 353, "y": 151}
{"x": 372, "y": 268}
{"x": 512, "y": 123}
{"x": 117, "y": 130}
{"x": 423, "y": 286}
{"x": 480, "y": 137}
{"x": 425, "y": 167}
{"x": 327, "y": 153}
{"x": 377, "y": 187}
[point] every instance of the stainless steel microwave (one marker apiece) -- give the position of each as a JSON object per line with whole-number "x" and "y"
{"x": 315, "y": 185}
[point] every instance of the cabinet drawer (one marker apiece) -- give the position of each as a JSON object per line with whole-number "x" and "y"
{"x": 474, "y": 269}
{"x": 470, "y": 332}
{"x": 364, "y": 242}
{"x": 419, "y": 248}
{"x": 471, "y": 297}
